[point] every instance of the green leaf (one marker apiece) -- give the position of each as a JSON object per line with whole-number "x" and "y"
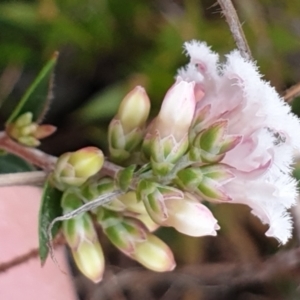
{"x": 36, "y": 98}
{"x": 10, "y": 163}
{"x": 49, "y": 210}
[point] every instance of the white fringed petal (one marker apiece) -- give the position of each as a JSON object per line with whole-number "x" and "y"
{"x": 236, "y": 92}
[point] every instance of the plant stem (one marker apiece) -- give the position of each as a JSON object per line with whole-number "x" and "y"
{"x": 34, "y": 156}
{"x": 235, "y": 28}
{"x": 24, "y": 178}
{"x": 40, "y": 159}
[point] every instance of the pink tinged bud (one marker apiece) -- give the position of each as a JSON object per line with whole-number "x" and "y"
{"x": 89, "y": 259}
{"x": 155, "y": 255}
{"x": 86, "y": 161}
{"x": 134, "y": 110}
{"x": 167, "y": 136}
{"x": 44, "y": 131}
{"x": 177, "y": 110}
{"x": 190, "y": 217}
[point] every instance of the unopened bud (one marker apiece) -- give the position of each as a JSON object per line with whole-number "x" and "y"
{"x": 81, "y": 237}
{"x": 74, "y": 168}
{"x": 27, "y": 132}
{"x": 126, "y": 129}
{"x": 134, "y": 110}
{"x": 166, "y": 140}
{"x": 155, "y": 255}
{"x": 89, "y": 259}
{"x": 190, "y": 217}
{"x": 211, "y": 144}
{"x": 206, "y": 181}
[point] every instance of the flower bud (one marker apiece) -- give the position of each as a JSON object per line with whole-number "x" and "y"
{"x": 211, "y": 144}
{"x": 155, "y": 255}
{"x": 190, "y": 217}
{"x": 125, "y": 131}
{"x": 154, "y": 197}
{"x": 134, "y": 110}
{"x": 81, "y": 237}
{"x": 167, "y": 136}
{"x": 74, "y": 168}
{"x": 27, "y": 132}
{"x": 132, "y": 238}
{"x": 94, "y": 187}
{"x": 206, "y": 181}
{"x": 132, "y": 207}
{"x": 123, "y": 232}
{"x": 89, "y": 259}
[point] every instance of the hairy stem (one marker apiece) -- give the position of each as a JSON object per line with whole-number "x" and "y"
{"x": 235, "y": 28}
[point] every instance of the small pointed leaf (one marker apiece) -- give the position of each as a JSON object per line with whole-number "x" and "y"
{"x": 50, "y": 209}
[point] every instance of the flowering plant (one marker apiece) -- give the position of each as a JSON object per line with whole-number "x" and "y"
{"x": 222, "y": 135}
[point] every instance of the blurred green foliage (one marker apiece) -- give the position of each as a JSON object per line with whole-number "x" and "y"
{"x": 109, "y": 46}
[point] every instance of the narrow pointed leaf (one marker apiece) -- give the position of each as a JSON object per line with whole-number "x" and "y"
{"x": 50, "y": 209}
{"x": 36, "y": 98}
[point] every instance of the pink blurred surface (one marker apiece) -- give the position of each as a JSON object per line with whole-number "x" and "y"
{"x": 18, "y": 235}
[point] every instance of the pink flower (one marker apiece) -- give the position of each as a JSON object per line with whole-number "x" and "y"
{"x": 261, "y": 131}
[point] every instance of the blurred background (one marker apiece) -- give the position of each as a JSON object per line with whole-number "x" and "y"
{"x": 106, "y": 48}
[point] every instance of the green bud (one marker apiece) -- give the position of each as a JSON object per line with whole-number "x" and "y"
{"x": 86, "y": 161}
{"x": 125, "y": 131}
{"x": 154, "y": 254}
{"x": 123, "y": 232}
{"x": 154, "y": 196}
{"x": 164, "y": 153}
{"x": 206, "y": 181}
{"x": 75, "y": 168}
{"x": 211, "y": 144}
{"x": 24, "y": 120}
{"x": 94, "y": 188}
{"x": 81, "y": 237}
{"x": 89, "y": 259}
{"x": 134, "y": 109}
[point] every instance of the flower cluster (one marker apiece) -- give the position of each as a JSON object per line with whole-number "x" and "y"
{"x": 27, "y": 132}
{"x": 222, "y": 135}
